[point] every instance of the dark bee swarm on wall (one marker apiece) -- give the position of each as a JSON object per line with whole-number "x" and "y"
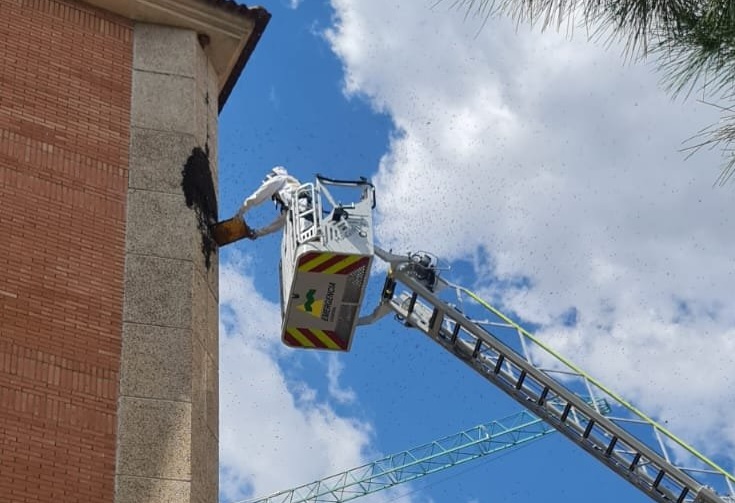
{"x": 198, "y": 186}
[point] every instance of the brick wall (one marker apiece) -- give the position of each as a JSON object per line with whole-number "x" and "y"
{"x": 65, "y": 73}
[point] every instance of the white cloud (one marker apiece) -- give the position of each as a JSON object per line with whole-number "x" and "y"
{"x": 554, "y": 162}
{"x": 276, "y": 432}
{"x": 294, "y": 4}
{"x": 336, "y": 391}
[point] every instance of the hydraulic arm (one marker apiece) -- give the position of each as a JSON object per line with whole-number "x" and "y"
{"x": 656, "y": 462}
{"x": 326, "y": 254}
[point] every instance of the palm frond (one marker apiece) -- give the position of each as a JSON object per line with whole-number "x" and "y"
{"x": 719, "y": 136}
{"x": 693, "y": 42}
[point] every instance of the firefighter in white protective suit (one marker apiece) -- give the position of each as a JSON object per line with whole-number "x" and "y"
{"x": 279, "y": 186}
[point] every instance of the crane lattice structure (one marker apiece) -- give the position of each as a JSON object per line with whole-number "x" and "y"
{"x": 483, "y": 440}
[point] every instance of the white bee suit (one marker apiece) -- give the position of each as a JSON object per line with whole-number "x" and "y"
{"x": 277, "y": 183}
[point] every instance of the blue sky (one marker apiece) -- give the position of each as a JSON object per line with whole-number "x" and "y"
{"x": 548, "y": 172}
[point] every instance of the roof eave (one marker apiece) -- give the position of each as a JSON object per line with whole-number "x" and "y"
{"x": 261, "y": 18}
{"x": 232, "y": 30}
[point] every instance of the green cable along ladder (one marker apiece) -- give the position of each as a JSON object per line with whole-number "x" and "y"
{"x": 557, "y": 396}
{"x": 627, "y": 441}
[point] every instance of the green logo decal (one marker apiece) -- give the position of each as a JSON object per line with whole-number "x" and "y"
{"x": 309, "y": 300}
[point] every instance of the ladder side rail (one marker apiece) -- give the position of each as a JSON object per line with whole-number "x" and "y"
{"x": 591, "y": 426}
{"x": 573, "y": 426}
{"x": 716, "y": 480}
{"x": 706, "y": 492}
{"x": 668, "y": 484}
{"x": 511, "y": 374}
{"x": 417, "y": 462}
{"x": 724, "y": 478}
{"x": 509, "y": 378}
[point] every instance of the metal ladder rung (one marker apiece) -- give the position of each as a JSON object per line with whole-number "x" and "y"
{"x": 521, "y": 378}
{"x": 542, "y": 397}
{"x": 412, "y": 303}
{"x": 635, "y": 461}
{"x": 588, "y": 429}
{"x": 611, "y": 446}
{"x": 565, "y": 413}
{"x": 455, "y": 332}
{"x": 498, "y": 364}
{"x": 434, "y": 317}
{"x": 478, "y": 347}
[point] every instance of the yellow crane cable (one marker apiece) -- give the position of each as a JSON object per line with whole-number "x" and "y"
{"x": 597, "y": 383}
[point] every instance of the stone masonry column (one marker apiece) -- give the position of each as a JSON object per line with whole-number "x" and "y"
{"x": 167, "y": 434}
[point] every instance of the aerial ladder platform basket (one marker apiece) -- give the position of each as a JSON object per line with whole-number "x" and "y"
{"x": 326, "y": 255}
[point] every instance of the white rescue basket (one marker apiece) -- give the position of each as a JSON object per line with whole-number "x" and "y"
{"x": 326, "y": 256}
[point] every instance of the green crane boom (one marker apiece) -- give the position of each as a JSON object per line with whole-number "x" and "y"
{"x": 483, "y": 440}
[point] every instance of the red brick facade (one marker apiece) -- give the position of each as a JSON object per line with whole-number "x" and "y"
{"x": 65, "y": 77}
